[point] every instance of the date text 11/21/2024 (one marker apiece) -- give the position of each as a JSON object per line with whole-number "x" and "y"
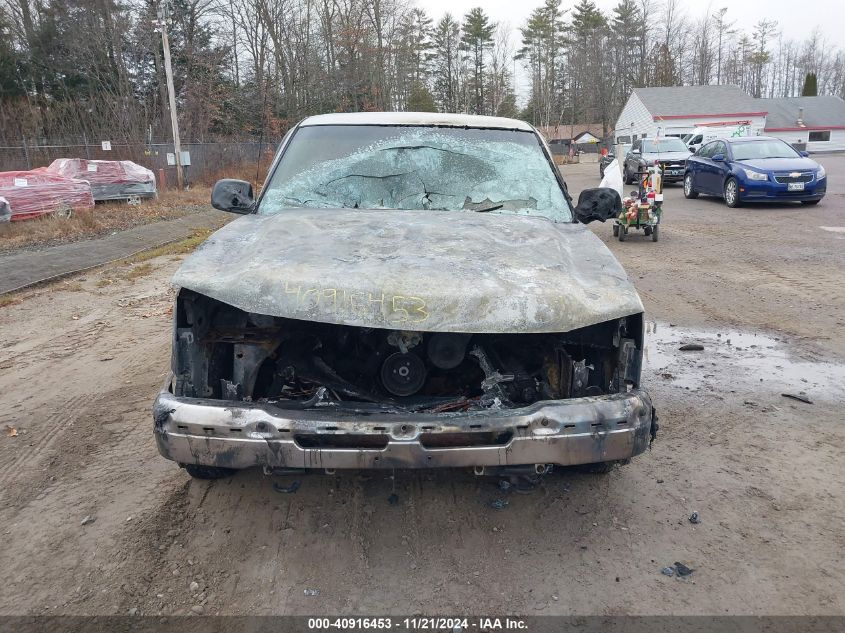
{"x": 418, "y": 623}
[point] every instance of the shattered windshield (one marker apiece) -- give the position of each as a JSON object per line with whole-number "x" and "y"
{"x": 416, "y": 167}
{"x": 664, "y": 144}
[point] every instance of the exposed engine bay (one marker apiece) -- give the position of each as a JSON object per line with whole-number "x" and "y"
{"x": 221, "y": 352}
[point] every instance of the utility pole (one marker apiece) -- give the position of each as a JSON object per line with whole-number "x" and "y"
{"x": 171, "y": 95}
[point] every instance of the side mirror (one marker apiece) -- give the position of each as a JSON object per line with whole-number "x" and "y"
{"x": 234, "y": 196}
{"x": 804, "y": 154}
{"x": 636, "y": 151}
{"x": 719, "y": 158}
{"x": 601, "y": 203}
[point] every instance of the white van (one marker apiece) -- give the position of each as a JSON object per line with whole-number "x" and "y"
{"x": 702, "y": 135}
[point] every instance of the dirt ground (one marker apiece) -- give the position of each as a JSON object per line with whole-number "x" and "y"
{"x": 762, "y": 288}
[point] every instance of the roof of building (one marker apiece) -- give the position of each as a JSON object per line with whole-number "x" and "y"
{"x": 692, "y": 101}
{"x": 566, "y": 131}
{"x": 417, "y": 118}
{"x": 819, "y": 112}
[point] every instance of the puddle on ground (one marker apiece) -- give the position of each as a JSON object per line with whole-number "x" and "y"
{"x": 738, "y": 361}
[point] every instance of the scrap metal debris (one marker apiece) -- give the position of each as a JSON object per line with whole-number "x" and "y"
{"x": 694, "y": 519}
{"x": 312, "y": 592}
{"x": 498, "y": 504}
{"x": 678, "y": 569}
{"x": 87, "y": 520}
{"x": 798, "y": 397}
{"x": 691, "y": 347}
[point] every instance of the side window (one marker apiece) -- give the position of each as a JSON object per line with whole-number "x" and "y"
{"x": 705, "y": 151}
{"x": 816, "y": 137}
{"x": 636, "y": 145}
{"x": 696, "y": 139}
{"x": 719, "y": 148}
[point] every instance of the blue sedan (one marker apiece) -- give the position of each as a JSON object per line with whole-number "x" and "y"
{"x": 754, "y": 169}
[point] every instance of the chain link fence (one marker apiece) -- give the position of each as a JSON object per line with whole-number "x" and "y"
{"x": 209, "y": 161}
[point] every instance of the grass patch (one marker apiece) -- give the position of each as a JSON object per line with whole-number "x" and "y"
{"x": 174, "y": 248}
{"x": 9, "y": 299}
{"x": 102, "y": 219}
{"x": 136, "y": 272}
{"x": 139, "y": 266}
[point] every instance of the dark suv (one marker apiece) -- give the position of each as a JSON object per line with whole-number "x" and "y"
{"x": 669, "y": 151}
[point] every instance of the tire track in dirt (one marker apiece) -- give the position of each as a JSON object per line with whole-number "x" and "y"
{"x": 56, "y": 426}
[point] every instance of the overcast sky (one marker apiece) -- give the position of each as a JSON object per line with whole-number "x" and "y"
{"x": 796, "y": 18}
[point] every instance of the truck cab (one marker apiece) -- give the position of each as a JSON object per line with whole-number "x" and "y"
{"x": 704, "y": 134}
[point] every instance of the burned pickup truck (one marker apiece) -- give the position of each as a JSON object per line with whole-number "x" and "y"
{"x": 408, "y": 291}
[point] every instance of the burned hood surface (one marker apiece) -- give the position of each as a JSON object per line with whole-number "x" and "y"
{"x": 413, "y": 270}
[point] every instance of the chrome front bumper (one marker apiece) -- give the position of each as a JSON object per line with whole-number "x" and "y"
{"x": 563, "y": 432}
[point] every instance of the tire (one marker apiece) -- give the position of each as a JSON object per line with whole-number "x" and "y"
{"x": 198, "y": 471}
{"x": 615, "y": 230}
{"x": 600, "y": 468}
{"x": 655, "y": 233}
{"x": 689, "y": 192}
{"x": 810, "y": 203}
{"x": 623, "y": 233}
{"x": 731, "y": 193}
{"x": 625, "y": 177}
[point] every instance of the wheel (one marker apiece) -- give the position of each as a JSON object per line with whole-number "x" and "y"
{"x": 600, "y": 468}
{"x": 625, "y": 177}
{"x": 654, "y": 233}
{"x": 615, "y": 230}
{"x": 732, "y": 193}
{"x": 646, "y": 231}
{"x": 198, "y": 471}
{"x": 623, "y": 233}
{"x": 689, "y": 192}
{"x": 810, "y": 202}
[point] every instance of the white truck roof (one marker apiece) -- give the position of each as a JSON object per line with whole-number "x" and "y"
{"x": 418, "y": 118}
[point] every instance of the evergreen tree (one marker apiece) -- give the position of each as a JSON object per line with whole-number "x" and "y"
{"x": 446, "y": 63}
{"x": 420, "y": 99}
{"x": 810, "y": 86}
{"x": 477, "y": 37}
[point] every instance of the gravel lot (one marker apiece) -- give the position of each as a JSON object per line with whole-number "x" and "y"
{"x": 762, "y": 288}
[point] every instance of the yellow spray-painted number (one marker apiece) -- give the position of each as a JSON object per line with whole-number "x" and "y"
{"x": 394, "y": 309}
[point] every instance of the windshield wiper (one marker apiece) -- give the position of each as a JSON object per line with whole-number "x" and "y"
{"x": 495, "y": 207}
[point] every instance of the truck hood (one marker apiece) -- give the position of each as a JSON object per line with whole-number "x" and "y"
{"x": 680, "y": 155}
{"x": 413, "y": 270}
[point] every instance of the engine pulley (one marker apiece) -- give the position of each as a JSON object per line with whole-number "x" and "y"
{"x": 447, "y": 350}
{"x": 403, "y": 374}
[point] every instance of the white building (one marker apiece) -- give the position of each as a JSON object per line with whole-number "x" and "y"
{"x": 818, "y": 123}
{"x": 678, "y": 110}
